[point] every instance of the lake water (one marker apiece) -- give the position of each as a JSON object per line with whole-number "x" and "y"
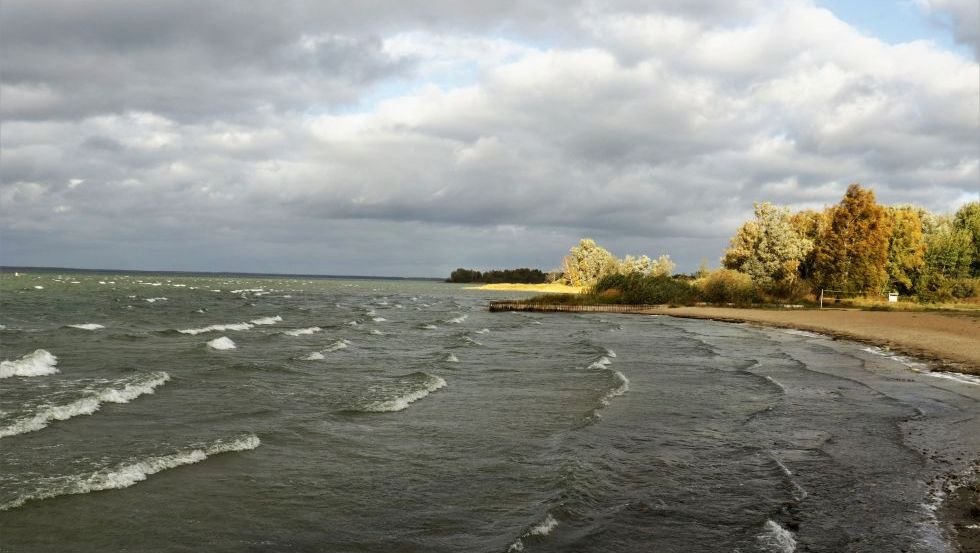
{"x": 163, "y": 413}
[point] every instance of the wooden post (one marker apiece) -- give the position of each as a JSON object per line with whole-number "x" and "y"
{"x": 821, "y": 298}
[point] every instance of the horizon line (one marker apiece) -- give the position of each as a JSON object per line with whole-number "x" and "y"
{"x": 26, "y": 268}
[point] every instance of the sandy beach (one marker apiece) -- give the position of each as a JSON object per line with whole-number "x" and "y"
{"x": 953, "y": 339}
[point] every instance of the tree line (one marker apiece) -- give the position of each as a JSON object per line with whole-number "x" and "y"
{"x": 523, "y": 275}
{"x": 856, "y": 246}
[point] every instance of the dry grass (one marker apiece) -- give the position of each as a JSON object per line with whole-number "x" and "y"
{"x": 549, "y": 288}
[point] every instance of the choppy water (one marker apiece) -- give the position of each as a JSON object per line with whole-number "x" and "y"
{"x": 160, "y": 413}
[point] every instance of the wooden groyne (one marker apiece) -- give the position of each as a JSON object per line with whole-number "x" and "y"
{"x": 549, "y": 307}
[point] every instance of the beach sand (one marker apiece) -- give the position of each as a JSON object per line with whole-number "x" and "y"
{"x": 950, "y": 338}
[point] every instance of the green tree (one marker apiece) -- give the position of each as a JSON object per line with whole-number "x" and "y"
{"x": 587, "y": 262}
{"x": 852, "y": 253}
{"x": 906, "y": 249}
{"x": 768, "y": 248}
{"x": 968, "y": 218}
{"x": 809, "y": 224}
{"x": 949, "y": 250}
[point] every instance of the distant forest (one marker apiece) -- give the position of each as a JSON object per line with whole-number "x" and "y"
{"x": 520, "y": 276}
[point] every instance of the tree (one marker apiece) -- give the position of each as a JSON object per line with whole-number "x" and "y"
{"x": 809, "y": 224}
{"x": 768, "y": 248}
{"x": 968, "y": 218}
{"x": 852, "y": 253}
{"x": 906, "y": 249}
{"x": 949, "y": 250}
{"x": 587, "y": 262}
{"x": 662, "y": 266}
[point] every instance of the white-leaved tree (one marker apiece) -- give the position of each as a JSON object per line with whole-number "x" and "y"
{"x": 768, "y": 248}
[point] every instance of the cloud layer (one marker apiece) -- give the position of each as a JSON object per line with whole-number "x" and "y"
{"x": 404, "y": 139}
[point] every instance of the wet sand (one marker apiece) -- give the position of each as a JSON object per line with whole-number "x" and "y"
{"x": 952, "y": 339}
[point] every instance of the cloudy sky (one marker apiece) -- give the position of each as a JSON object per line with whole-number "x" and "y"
{"x": 409, "y": 138}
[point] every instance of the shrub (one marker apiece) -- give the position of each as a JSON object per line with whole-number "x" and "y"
{"x": 727, "y": 286}
{"x": 638, "y": 289}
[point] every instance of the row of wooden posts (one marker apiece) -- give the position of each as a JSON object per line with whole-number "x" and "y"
{"x": 526, "y": 306}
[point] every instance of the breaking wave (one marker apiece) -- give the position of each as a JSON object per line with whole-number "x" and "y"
{"x": 541, "y": 529}
{"x": 957, "y": 377}
{"x": 233, "y": 326}
{"x": 132, "y": 472}
{"x": 222, "y": 343}
{"x": 407, "y": 390}
{"x": 39, "y": 363}
{"x": 121, "y": 391}
{"x": 459, "y": 319}
{"x": 87, "y": 326}
{"x": 776, "y": 539}
{"x": 315, "y": 356}
{"x": 303, "y": 331}
{"x": 451, "y": 358}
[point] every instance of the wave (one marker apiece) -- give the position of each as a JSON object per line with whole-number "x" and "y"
{"x": 315, "y": 356}
{"x": 303, "y": 331}
{"x": 121, "y": 391}
{"x": 451, "y": 358}
{"x": 267, "y": 320}
{"x": 338, "y": 345}
{"x": 956, "y": 377}
{"x": 541, "y": 529}
{"x": 154, "y": 300}
{"x": 233, "y": 326}
{"x": 430, "y": 327}
{"x": 624, "y": 386}
{"x": 776, "y": 539}
{"x": 409, "y": 390}
{"x": 459, "y": 319}
{"x": 129, "y": 473}
{"x": 39, "y": 363}
{"x": 87, "y": 326}
{"x": 483, "y": 331}
{"x": 222, "y": 343}
{"x": 472, "y": 341}
{"x": 379, "y": 319}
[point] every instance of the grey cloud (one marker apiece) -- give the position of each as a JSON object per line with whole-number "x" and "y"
{"x": 225, "y": 136}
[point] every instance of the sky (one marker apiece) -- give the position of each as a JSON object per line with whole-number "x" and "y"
{"x": 408, "y": 138}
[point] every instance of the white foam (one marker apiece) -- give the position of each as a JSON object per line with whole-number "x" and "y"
{"x": 303, "y": 331}
{"x": 3, "y": 327}
{"x": 219, "y": 328}
{"x": 957, "y": 377}
{"x": 39, "y": 287}
{"x": 87, "y": 326}
{"x": 351, "y": 323}
{"x": 267, "y": 320}
{"x": 472, "y": 341}
{"x": 122, "y": 391}
{"x": 776, "y": 539}
{"x": 431, "y": 327}
{"x": 459, "y": 319}
{"x": 451, "y": 358}
{"x": 610, "y": 353}
{"x": 39, "y": 363}
{"x": 153, "y": 300}
{"x": 377, "y": 332}
{"x": 483, "y": 331}
{"x": 542, "y": 529}
{"x": 804, "y": 333}
{"x": 431, "y": 384}
{"x": 315, "y": 356}
{"x": 624, "y": 386}
{"x": 379, "y": 319}
{"x": 127, "y": 474}
{"x": 222, "y": 343}
{"x": 602, "y": 363}
{"x": 338, "y": 345}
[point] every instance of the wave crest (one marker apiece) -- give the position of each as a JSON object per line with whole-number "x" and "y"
{"x": 127, "y": 474}
{"x": 121, "y": 391}
{"x": 39, "y": 363}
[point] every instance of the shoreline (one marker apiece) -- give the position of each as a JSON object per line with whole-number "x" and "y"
{"x": 948, "y": 341}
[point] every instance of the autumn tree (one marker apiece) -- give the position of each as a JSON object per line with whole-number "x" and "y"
{"x": 768, "y": 248}
{"x": 587, "y": 262}
{"x": 662, "y": 266}
{"x": 809, "y": 225}
{"x": 852, "y": 253}
{"x": 906, "y": 248}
